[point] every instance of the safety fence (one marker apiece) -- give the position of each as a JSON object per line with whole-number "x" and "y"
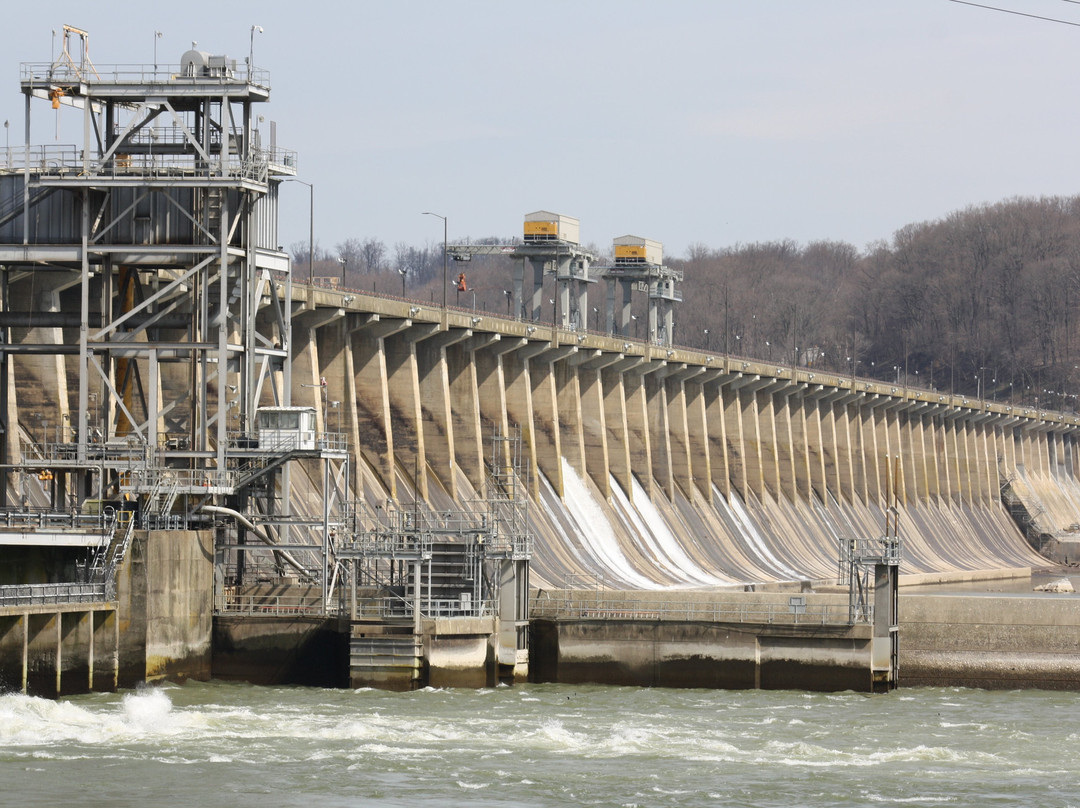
{"x": 795, "y": 610}
{"x": 56, "y": 594}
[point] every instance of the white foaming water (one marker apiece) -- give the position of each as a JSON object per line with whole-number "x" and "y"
{"x": 536, "y": 745}
{"x": 594, "y": 530}
{"x": 26, "y": 721}
{"x": 657, "y": 529}
{"x": 147, "y": 710}
{"x": 752, "y": 537}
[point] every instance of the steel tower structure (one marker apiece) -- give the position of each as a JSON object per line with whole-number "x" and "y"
{"x": 144, "y": 317}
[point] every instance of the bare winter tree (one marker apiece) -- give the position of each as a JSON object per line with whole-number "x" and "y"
{"x": 373, "y": 254}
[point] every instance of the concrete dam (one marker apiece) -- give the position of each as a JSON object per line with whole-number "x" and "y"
{"x": 215, "y": 469}
{"x": 654, "y": 467}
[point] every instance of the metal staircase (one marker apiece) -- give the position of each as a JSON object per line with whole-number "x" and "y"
{"x": 113, "y": 549}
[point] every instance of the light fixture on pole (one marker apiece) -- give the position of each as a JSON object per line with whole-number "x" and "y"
{"x": 445, "y": 323}
{"x": 251, "y": 50}
{"x": 402, "y": 272}
{"x": 157, "y": 36}
{"x": 344, "y": 263}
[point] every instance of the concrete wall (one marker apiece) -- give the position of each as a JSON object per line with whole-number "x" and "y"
{"x": 990, "y": 641}
{"x": 700, "y": 639}
{"x": 281, "y": 650}
{"x": 697, "y": 654}
{"x": 453, "y": 652}
{"x": 165, "y": 590}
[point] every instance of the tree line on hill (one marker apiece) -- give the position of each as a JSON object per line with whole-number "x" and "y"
{"x": 978, "y": 302}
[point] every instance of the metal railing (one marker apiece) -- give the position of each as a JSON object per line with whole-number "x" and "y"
{"x": 273, "y": 605}
{"x": 797, "y": 611}
{"x": 56, "y": 594}
{"x": 150, "y": 479}
{"x": 388, "y": 607}
{"x": 69, "y": 161}
{"x": 48, "y": 519}
{"x": 234, "y": 72}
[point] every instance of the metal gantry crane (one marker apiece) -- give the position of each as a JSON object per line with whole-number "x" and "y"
{"x": 550, "y": 247}
{"x": 639, "y": 266}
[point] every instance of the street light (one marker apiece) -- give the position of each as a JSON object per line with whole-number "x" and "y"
{"x": 444, "y": 279}
{"x": 507, "y": 293}
{"x": 251, "y": 50}
{"x": 344, "y": 263}
{"x": 311, "y": 229}
{"x": 402, "y": 272}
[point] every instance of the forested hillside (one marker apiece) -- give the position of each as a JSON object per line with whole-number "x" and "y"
{"x": 979, "y": 302}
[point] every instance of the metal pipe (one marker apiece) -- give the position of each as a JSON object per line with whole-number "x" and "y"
{"x": 265, "y": 538}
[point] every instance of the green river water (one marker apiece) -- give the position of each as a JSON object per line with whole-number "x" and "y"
{"x": 222, "y": 744}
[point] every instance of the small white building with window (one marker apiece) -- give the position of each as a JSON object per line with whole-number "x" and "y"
{"x": 286, "y": 429}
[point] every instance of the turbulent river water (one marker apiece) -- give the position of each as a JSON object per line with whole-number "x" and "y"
{"x": 222, "y": 744}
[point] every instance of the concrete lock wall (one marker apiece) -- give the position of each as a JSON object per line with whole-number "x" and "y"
{"x": 691, "y": 654}
{"x": 700, "y": 639}
{"x": 990, "y": 641}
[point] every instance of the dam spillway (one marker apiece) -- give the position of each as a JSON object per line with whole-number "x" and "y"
{"x": 654, "y": 466}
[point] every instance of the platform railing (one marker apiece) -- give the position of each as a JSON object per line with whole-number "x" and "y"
{"x": 56, "y": 594}
{"x": 796, "y": 611}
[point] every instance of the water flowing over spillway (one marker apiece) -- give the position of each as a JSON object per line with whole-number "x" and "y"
{"x": 651, "y": 469}
{"x": 640, "y": 545}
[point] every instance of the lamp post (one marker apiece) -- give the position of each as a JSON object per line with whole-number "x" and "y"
{"x": 325, "y": 400}
{"x": 507, "y": 293}
{"x": 402, "y": 272}
{"x": 251, "y": 50}
{"x": 444, "y": 279}
{"x": 311, "y": 228}
{"x": 344, "y": 263}
{"x": 157, "y": 36}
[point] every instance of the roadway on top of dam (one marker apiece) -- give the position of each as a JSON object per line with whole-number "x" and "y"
{"x": 311, "y": 297}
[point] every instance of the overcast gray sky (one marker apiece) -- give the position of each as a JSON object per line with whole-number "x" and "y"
{"x": 710, "y": 122}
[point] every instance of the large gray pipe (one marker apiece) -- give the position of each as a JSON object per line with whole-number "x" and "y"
{"x": 239, "y": 517}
